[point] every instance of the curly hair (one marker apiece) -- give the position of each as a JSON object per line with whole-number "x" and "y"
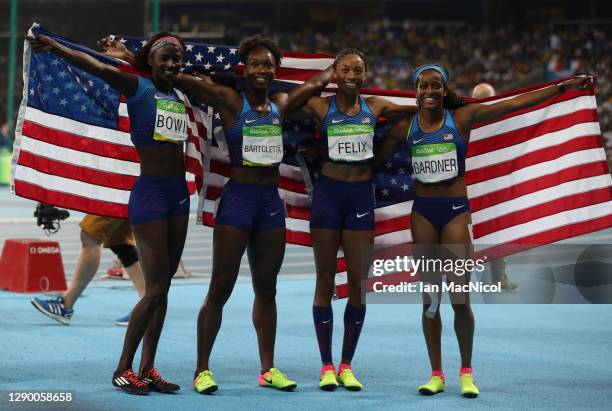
{"x": 142, "y": 56}
{"x": 251, "y": 43}
{"x": 348, "y": 51}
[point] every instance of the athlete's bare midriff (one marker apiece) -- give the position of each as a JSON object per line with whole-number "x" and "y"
{"x": 162, "y": 161}
{"x": 255, "y": 175}
{"x": 456, "y": 188}
{"x": 347, "y": 172}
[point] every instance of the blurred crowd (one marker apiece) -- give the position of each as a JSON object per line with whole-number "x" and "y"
{"x": 507, "y": 57}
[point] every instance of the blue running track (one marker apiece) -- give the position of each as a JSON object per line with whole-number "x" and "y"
{"x": 525, "y": 356}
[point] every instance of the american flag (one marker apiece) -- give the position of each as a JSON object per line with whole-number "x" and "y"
{"x": 534, "y": 177}
{"x": 539, "y": 175}
{"x": 72, "y": 143}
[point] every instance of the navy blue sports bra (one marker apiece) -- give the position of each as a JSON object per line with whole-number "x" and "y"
{"x": 155, "y": 117}
{"x": 256, "y": 140}
{"x": 348, "y": 139}
{"x": 439, "y": 155}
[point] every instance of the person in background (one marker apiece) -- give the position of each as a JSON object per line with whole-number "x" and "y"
{"x": 96, "y": 231}
{"x": 4, "y": 137}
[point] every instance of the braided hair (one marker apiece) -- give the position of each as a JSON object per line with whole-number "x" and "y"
{"x": 347, "y": 52}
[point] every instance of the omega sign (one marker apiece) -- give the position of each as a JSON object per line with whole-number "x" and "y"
{"x": 44, "y": 250}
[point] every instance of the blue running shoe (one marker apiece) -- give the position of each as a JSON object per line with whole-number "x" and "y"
{"x": 54, "y": 308}
{"x": 123, "y": 321}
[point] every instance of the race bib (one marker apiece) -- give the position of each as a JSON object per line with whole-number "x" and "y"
{"x": 432, "y": 163}
{"x": 170, "y": 121}
{"x": 350, "y": 142}
{"x": 262, "y": 145}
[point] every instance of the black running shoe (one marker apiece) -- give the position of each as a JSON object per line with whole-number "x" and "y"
{"x": 157, "y": 383}
{"x": 130, "y": 383}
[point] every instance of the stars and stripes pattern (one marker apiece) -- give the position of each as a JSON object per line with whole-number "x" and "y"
{"x": 203, "y": 57}
{"x": 534, "y": 177}
{"x": 539, "y": 175}
{"x": 72, "y": 143}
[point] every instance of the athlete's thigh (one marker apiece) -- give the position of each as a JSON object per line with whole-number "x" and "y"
{"x": 325, "y": 244}
{"x": 425, "y": 237}
{"x": 423, "y": 231}
{"x": 177, "y": 234}
{"x": 456, "y": 243}
{"x": 266, "y": 250}
{"x": 152, "y": 246}
{"x": 425, "y": 244}
{"x": 458, "y": 247}
{"x": 357, "y": 247}
{"x": 229, "y": 244}
{"x": 456, "y": 230}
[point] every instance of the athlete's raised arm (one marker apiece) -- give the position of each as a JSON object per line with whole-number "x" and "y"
{"x": 474, "y": 113}
{"x": 124, "y": 83}
{"x": 224, "y": 99}
{"x": 303, "y": 96}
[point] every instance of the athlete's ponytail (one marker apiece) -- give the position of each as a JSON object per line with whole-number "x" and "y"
{"x": 452, "y": 101}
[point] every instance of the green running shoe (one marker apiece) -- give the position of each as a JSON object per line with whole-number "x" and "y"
{"x": 348, "y": 380}
{"x": 204, "y": 384}
{"x": 276, "y": 379}
{"x": 434, "y": 386}
{"x": 328, "y": 378}
{"x": 468, "y": 387}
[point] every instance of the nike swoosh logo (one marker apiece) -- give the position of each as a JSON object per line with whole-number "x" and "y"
{"x": 249, "y": 121}
{"x": 457, "y": 208}
{"x": 183, "y": 201}
{"x": 325, "y": 322}
{"x": 358, "y": 322}
{"x": 361, "y": 215}
{"x": 419, "y": 140}
{"x": 274, "y": 213}
{"x": 269, "y": 381}
{"x": 339, "y": 121}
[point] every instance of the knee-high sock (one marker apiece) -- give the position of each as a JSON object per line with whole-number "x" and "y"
{"x": 353, "y": 322}
{"x": 324, "y": 326}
